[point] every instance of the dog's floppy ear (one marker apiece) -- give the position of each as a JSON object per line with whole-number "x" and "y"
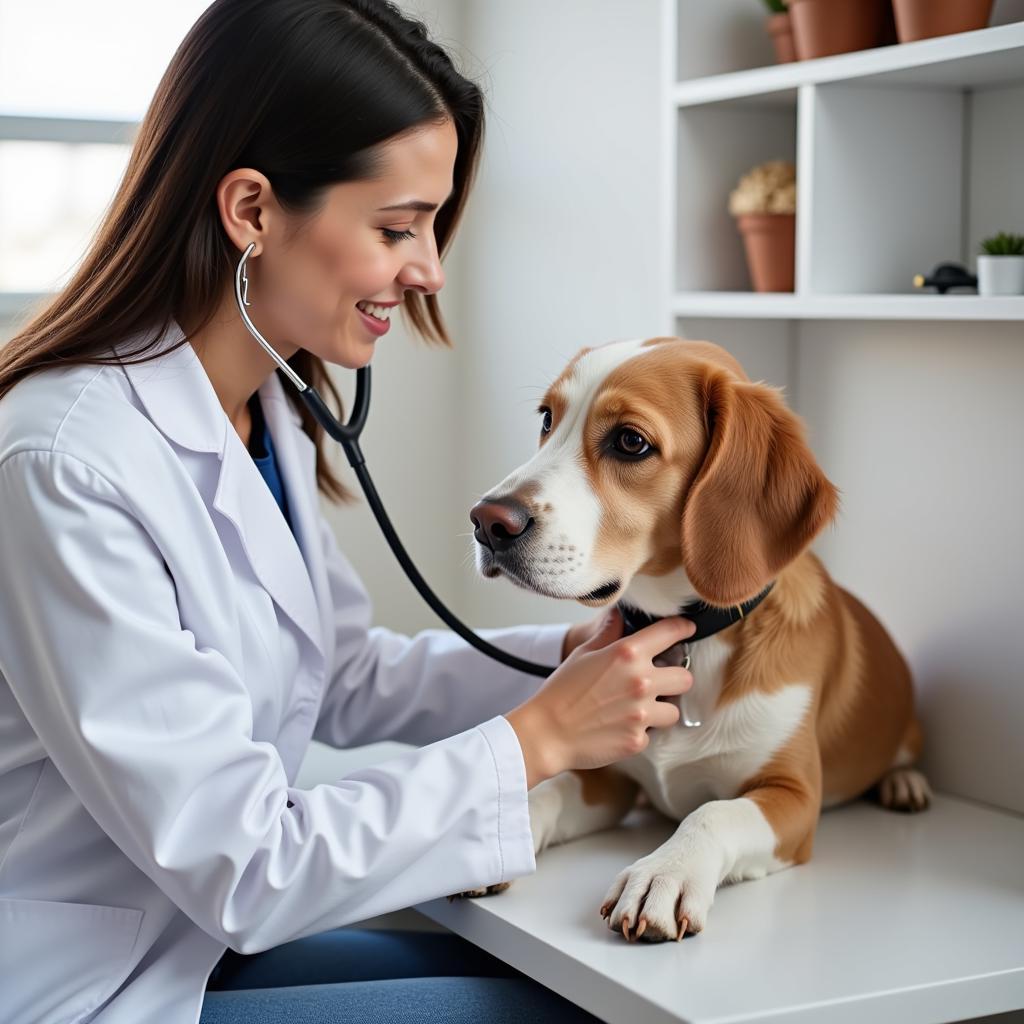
{"x": 758, "y": 499}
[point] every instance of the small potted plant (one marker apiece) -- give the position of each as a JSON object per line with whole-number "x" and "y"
{"x": 780, "y": 28}
{"x": 922, "y": 19}
{"x": 764, "y": 205}
{"x": 1001, "y": 265}
{"x": 825, "y": 27}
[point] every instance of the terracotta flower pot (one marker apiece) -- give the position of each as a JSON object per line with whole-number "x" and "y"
{"x": 824, "y": 27}
{"x": 780, "y": 28}
{"x": 770, "y": 242}
{"x": 922, "y": 19}
{"x": 888, "y": 35}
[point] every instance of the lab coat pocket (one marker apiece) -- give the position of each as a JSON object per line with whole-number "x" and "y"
{"x": 91, "y": 943}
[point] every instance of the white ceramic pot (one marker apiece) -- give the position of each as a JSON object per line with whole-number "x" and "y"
{"x": 1001, "y": 275}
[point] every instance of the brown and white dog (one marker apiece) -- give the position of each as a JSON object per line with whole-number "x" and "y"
{"x": 665, "y": 476}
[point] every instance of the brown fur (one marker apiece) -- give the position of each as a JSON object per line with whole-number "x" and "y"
{"x": 604, "y": 786}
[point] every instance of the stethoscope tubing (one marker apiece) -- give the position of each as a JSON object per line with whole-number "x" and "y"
{"x": 347, "y": 435}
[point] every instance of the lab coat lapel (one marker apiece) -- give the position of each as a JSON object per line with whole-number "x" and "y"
{"x": 244, "y": 498}
{"x": 296, "y": 454}
{"x": 180, "y": 399}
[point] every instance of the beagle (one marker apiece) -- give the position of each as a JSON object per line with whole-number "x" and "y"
{"x": 664, "y": 479}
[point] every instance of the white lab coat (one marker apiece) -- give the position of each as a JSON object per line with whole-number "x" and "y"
{"x": 167, "y": 650}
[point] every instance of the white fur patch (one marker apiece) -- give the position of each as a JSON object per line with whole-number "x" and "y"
{"x": 660, "y": 595}
{"x": 563, "y": 545}
{"x": 590, "y": 372}
{"x": 682, "y": 768}
{"x": 902, "y": 758}
{"x": 555, "y": 804}
{"x": 722, "y": 841}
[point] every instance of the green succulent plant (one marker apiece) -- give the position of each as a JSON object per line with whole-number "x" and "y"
{"x": 776, "y": 6}
{"x": 1003, "y": 244}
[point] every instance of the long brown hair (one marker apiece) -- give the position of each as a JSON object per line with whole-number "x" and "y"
{"x": 298, "y": 89}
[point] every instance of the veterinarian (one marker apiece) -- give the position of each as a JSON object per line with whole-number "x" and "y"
{"x": 176, "y": 619}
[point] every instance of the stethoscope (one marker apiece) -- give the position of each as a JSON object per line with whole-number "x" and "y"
{"x": 347, "y": 434}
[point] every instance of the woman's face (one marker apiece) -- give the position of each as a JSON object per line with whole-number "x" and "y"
{"x": 370, "y": 243}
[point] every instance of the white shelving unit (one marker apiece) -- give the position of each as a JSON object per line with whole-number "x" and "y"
{"x": 907, "y": 156}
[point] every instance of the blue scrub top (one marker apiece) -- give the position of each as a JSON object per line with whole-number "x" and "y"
{"x": 262, "y": 450}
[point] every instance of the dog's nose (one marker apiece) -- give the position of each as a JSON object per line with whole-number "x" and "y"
{"x": 500, "y": 524}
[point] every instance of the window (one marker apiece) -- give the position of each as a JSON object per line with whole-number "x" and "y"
{"x": 74, "y": 80}
{"x": 52, "y": 198}
{"x": 65, "y": 58}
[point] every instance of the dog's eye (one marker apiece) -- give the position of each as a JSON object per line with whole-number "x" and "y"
{"x": 545, "y": 427}
{"x": 630, "y": 442}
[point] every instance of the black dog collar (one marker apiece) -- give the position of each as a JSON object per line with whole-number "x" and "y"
{"x": 708, "y": 619}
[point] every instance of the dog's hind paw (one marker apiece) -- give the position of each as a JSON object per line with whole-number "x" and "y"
{"x": 904, "y": 789}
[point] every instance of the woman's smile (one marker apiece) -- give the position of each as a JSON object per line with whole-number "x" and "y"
{"x": 377, "y": 325}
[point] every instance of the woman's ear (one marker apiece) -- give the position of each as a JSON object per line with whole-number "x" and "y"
{"x": 758, "y": 499}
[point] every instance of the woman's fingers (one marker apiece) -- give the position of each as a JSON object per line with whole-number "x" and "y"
{"x": 649, "y": 642}
{"x": 663, "y": 715}
{"x": 670, "y": 682}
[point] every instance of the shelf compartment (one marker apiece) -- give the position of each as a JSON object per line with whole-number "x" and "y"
{"x": 884, "y": 177}
{"x": 714, "y": 149}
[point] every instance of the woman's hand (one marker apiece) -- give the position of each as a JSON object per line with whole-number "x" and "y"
{"x": 597, "y": 706}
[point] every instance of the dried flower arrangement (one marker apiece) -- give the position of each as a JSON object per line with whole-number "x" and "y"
{"x": 768, "y": 188}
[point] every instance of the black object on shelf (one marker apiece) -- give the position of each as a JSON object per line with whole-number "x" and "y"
{"x": 946, "y": 276}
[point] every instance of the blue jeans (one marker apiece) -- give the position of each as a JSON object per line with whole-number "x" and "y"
{"x": 378, "y": 975}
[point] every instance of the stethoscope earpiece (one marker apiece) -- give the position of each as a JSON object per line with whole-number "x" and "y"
{"x": 346, "y": 434}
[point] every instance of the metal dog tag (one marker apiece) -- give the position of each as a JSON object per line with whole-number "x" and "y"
{"x": 690, "y": 723}
{"x": 673, "y": 657}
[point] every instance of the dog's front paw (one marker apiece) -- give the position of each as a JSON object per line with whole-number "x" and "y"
{"x": 473, "y": 894}
{"x": 660, "y": 898}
